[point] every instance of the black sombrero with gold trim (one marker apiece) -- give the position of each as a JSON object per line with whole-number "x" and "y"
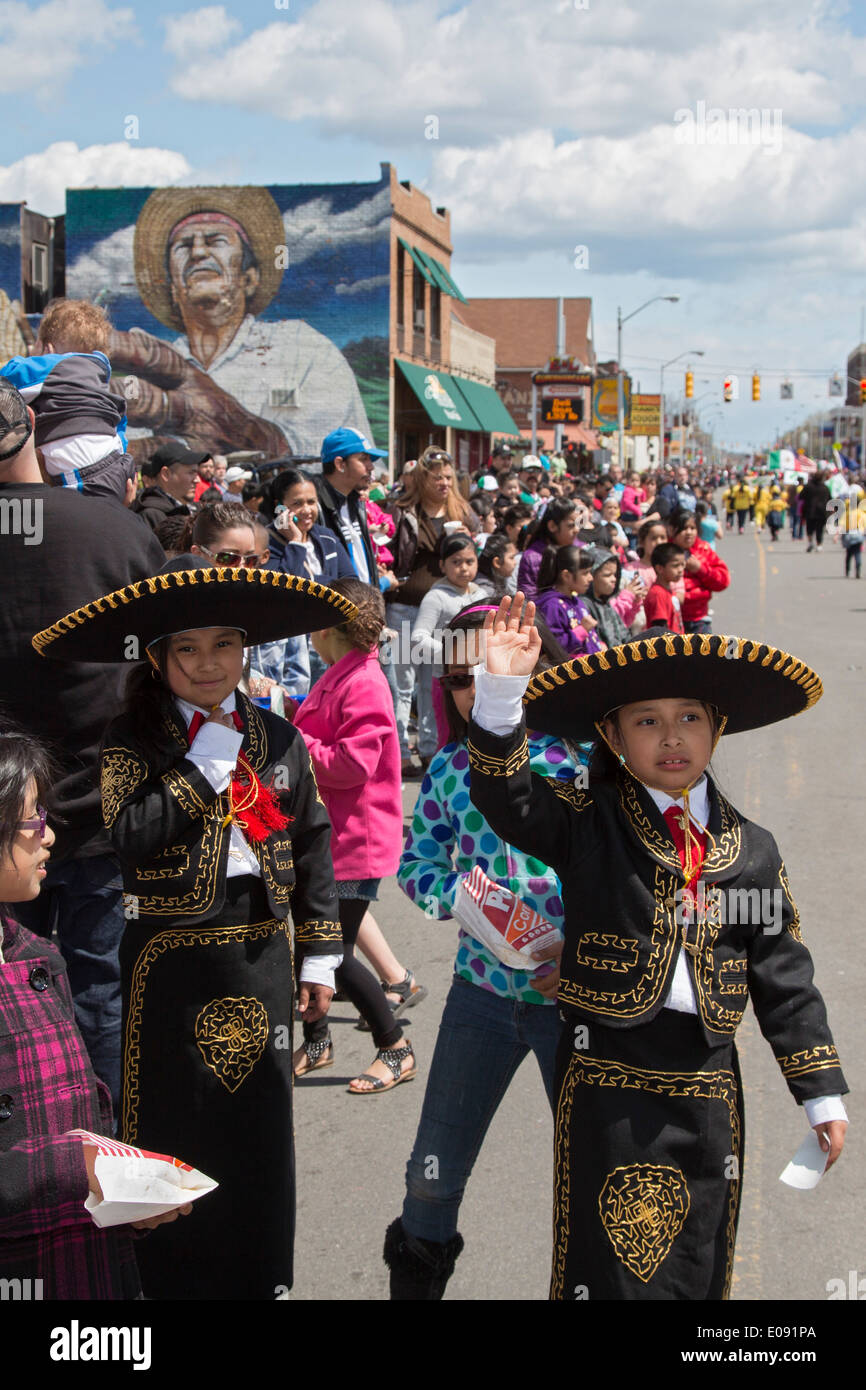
{"x": 189, "y": 593}
{"x": 752, "y": 684}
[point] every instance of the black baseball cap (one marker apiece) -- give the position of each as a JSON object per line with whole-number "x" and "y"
{"x": 172, "y": 453}
{"x": 15, "y": 426}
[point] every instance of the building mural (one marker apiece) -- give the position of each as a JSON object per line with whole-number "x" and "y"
{"x": 245, "y": 318}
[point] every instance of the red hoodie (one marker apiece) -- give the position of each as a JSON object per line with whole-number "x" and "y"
{"x": 711, "y": 578}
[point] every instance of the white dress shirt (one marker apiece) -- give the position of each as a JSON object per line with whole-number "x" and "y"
{"x": 214, "y": 751}
{"x": 498, "y": 708}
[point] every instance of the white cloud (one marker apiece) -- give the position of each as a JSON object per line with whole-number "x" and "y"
{"x": 199, "y": 31}
{"x": 639, "y": 200}
{"x": 309, "y": 225}
{"x": 107, "y": 266}
{"x": 44, "y": 44}
{"x": 496, "y": 67}
{"x": 372, "y": 282}
{"x": 42, "y": 179}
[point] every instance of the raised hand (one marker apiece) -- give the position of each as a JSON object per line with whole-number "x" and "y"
{"x": 512, "y": 645}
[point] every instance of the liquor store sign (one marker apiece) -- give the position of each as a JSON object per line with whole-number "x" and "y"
{"x": 645, "y": 414}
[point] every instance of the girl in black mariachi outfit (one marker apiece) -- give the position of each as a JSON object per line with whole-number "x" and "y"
{"x": 658, "y": 962}
{"x": 212, "y": 806}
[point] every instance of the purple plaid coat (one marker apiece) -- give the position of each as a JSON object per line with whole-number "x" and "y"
{"x": 47, "y": 1087}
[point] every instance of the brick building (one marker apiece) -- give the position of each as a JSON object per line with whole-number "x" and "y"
{"x": 526, "y": 332}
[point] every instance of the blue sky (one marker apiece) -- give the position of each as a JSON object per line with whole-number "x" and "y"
{"x": 559, "y": 125}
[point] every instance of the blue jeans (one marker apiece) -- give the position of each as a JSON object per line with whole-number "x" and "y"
{"x": 482, "y": 1041}
{"x": 286, "y": 661}
{"x": 400, "y": 672}
{"x": 82, "y": 899}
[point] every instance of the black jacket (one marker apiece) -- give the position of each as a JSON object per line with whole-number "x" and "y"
{"x": 620, "y": 874}
{"x": 88, "y": 547}
{"x": 154, "y": 505}
{"x": 330, "y": 502}
{"x": 169, "y": 832}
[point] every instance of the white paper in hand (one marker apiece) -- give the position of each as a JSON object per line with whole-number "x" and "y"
{"x": 137, "y": 1184}
{"x": 807, "y": 1166}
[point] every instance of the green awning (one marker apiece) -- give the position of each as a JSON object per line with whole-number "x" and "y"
{"x": 440, "y": 396}
{"x": 487, "y": 407}
{"x": 415, "y": 256}
{"x": 440, "y": 275}
{"x": 433, "y": 271}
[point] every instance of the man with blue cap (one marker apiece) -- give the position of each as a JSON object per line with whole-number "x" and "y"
{"x": 347, "y": 465}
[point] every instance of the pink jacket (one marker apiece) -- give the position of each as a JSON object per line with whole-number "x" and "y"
{"x": 348, "y": 725}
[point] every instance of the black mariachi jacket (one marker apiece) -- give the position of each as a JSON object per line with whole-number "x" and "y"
{"x": 173, "y": 847}
{"x": 625, "y": 915}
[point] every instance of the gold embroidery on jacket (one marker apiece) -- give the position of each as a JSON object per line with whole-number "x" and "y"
{"x": 808, "y": 1060}
{"x": 491, "y": 766}
{"x": 712, "y": 1011}
{"x": 592, "y": 1071}
{"x": 577, "y": 798}
{"x": 612, "y": 952}
{"x": 231, "y": 1034}
{"x": 645, "y": 992}
{"x": 317, "y": 929}
{"x": 643, "y": 1209}
{"x": 120, "y": 773}
{"x": 793, "y": 927}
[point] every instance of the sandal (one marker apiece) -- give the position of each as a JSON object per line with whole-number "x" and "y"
{"x": 410, "y": 994}
{"x": 316, "y": 1060}
{"x": 393, "y": 1057}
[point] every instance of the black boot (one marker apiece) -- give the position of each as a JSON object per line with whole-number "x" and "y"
{"x": 420, "y": 1269}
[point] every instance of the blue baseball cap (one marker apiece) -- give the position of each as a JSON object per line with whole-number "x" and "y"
{"x": 343, "y": 442}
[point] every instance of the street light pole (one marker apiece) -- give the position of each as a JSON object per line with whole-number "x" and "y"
{"x": 620, "y": 396}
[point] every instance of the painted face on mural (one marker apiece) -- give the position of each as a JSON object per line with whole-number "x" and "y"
{"x": 205, "y": 260}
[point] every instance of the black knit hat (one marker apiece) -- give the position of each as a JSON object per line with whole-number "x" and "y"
{"x": 749, "y": 683}
{"x": 189, "y": 592}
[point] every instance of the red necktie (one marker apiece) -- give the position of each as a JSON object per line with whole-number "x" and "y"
{"x": 198, "y": 719}
{"x": 674, "y": 818}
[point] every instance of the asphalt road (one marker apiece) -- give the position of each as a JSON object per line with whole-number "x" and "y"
{"x": 804, "y": 779}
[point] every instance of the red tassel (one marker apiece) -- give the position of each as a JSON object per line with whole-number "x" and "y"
{"x": 263, "y": 816}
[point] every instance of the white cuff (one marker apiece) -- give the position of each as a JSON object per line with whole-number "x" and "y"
{"x": 498, "y": 704}
{"x": 319, "y": 970}
{"x": 215, "y": 753}
{"x": 823, "y": 1109}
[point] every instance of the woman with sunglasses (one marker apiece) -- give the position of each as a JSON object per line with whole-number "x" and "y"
{"x": 48, "y": 1090}
{"x": 494, "y": 1014}
{"x": 226, "y": 534}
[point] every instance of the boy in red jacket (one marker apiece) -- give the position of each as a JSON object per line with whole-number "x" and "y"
{"x": 661, "y": 605}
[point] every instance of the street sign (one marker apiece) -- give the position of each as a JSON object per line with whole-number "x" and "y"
{"x": 645, "y": 414}
{"x": 604, "y": 402}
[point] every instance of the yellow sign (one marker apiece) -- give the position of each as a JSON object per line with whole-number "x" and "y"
{"x": 604, "y": 402}
{"x": 645, "y": 415}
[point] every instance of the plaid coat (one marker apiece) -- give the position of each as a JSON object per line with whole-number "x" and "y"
{"x": 47, "y": 1087}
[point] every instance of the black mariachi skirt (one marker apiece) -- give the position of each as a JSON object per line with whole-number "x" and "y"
{"x": 207, "y": 1077}
{"x": 648, "y": 1162}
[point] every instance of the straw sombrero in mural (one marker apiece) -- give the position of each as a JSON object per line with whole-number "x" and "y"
{"x": 748, "y": 682}
{"x": 254, "y": 214}
{"x": 188, "y": 593}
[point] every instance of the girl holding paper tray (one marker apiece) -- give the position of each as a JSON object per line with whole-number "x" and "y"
{"x": 212, "y": 806}
{"x": 495, "y": 1013}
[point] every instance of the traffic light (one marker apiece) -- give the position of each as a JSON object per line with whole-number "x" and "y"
{"x": 690, "y": 385}
{"x": 863, "y": 391}
{"x": 729, "y": 388}
{"x": 756, "y": 387}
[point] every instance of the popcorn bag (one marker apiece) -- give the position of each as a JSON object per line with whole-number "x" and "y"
{"x": 137, "y": 1184}
{"x": 497, "y": 917}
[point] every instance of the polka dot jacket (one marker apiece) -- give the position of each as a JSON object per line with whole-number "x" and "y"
{"x": 448, "y": 837}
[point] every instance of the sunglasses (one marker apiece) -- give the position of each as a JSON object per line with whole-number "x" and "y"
{"x": 457, "y": 680}
{"x": 233, "y": 560}
{"x": 440, "y": 457}
{"x": 39, "y": 823}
